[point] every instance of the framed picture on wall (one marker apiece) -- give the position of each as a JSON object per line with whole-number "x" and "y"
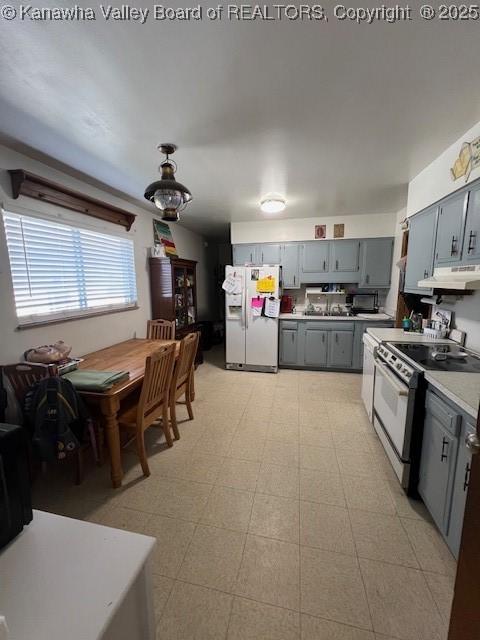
{"x": 162, "y": 235}
{"x": 338, "y": 230}
{"x": 320, "y": 231}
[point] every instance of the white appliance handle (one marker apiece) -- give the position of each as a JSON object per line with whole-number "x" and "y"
{"x": 401, "y": 389}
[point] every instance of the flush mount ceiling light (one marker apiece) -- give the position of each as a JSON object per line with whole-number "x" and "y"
{"x": 167, "y": 194}
{"x": 273, "y": 204}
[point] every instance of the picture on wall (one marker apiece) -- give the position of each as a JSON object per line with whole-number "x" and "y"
{"x": 468, "y": 159}
{"x": 320, "y": 231}
{"x": 163, "y": 235}
{"x": 338, "y": 230}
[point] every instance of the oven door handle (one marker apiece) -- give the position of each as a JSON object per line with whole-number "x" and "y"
{"x": 398, "y": 386}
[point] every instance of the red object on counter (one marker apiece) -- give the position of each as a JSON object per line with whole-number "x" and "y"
{"x": 286, "y": 304}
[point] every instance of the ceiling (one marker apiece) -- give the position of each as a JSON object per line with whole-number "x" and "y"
{"x": 336, "y": 116}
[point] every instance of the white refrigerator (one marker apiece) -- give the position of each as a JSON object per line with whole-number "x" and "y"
{"x": 251, "y": 337}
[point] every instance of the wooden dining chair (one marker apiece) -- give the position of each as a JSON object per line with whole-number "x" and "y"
{"x": 24, "y": 375}
{"x": 160, "y": 330}
{"x": 153, "y": 401}
{"x": 183, "y": 378}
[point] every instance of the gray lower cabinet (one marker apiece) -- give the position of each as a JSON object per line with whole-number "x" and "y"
{"x": 439, "y": 453}
{"x": 290, "y": 266}
{"x": 341, "y": 349}
{"x": 451, "y": 218}
{"x": 288, "y": 348}
{"x": 376, "y": 262}
{"x": 315, "y": 347}
{"x": 445, "y": 465}
{"x": 421, "y": 248}
{"x": 316, "y": 344}
{"x": 460, "y": 488}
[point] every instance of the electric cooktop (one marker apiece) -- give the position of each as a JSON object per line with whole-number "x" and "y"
{"x": 440, "y": 357}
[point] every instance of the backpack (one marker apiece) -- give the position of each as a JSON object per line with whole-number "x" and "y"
{"x": 56, "y": 416}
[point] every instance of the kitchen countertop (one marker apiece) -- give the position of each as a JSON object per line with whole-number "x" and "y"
{"x": 461, "y": 388}
{"x": 399, "y": 335}
{"x": 381, "y": 317}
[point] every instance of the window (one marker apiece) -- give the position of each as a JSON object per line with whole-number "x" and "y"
{"x": 59, "y": 271}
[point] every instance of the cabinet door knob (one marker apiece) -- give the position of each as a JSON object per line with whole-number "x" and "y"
{"x": 367, "y": 278}
{"x": 472, "y": 442}
{"x": 425, "y": 274}
{"x": 294, "y": 278}
{"x": 324, "y": 265}
{"x": 336, "y": 265}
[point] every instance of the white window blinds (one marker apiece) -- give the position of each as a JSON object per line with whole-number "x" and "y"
{"x": 61, "y": 271}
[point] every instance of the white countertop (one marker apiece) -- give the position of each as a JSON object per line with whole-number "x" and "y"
{"x": 461, "y": 388}
{"x": 380, "y": 317}
{"x": 64, "y": 578}
{"x": 399, "y": 335}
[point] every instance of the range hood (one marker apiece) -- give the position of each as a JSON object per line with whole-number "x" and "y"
{"x": 461, "y": 278}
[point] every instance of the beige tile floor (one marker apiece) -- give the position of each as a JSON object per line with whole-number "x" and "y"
{"x": 277, "y": 517}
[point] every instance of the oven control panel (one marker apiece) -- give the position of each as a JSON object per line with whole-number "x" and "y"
{"x": 402, "y": 369}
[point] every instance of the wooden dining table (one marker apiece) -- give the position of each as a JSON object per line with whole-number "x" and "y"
{"x": 125, "y": 356}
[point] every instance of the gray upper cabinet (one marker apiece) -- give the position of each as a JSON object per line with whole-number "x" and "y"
{"x": 345, "y": 255}
{"x": 439, "y": 452}
{"x": 376, "y": 262}
{"x": 290, "y": 266}
{"x": 421, "y": 245}
{"x": 315, "y": 347}
{"x": 269, "y": 253}
{"x": 315, "y": 256}
{"x": 451, "y": 218}
{"x": 245, "y": 254}
{"x": 471, "y": 242}
{"x": 341, "y": 349}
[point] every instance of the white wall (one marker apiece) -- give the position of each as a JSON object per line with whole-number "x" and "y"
{"x": 300, "y": 229}
{"x": 432, "y": 184}
{"x": 87, "y": 334}
{"x": 435, "y": 181}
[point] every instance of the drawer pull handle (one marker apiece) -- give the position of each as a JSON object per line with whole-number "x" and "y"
{"x": 466, "y": 480}
{"x": 453, "y": 247}
{"x": 444, "y": 455}
{"x": 472, "y": 236}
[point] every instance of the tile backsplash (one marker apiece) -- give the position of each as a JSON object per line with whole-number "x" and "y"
{"x": 299, "y": 295}
{"x": 466, "y": 317}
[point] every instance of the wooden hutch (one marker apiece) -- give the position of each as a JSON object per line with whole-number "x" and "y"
{"x": 173, "y": 289}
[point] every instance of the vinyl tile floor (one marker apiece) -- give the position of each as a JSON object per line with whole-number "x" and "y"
{"x": 277, "y": 515}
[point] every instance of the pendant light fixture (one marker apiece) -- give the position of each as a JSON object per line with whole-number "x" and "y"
{"x": 167, "y": 194}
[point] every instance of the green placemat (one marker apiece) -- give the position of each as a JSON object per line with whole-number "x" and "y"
{"x": 90, "y": 380}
